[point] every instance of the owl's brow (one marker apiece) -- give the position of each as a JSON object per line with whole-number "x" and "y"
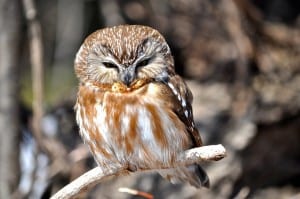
{"x": 142, "y": 57}
{"x": 111, "y": 60}
{"x": 107, "y": 54}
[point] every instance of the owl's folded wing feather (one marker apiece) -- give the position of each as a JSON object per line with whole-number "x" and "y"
{"x": 182, "y": 106}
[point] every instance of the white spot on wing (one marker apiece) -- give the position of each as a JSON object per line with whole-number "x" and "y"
{"x": 172, "y": 88}
{"x": 186, "y": 113}
{"x": 179, "y": 97}
{"x": 183, "y": 103}
{"x": 193, "y": 124}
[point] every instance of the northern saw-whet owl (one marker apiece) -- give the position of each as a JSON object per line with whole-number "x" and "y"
{"x": 133, "y": 110}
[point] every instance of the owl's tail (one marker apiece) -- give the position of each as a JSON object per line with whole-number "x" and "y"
{"x": 193, "y": 174}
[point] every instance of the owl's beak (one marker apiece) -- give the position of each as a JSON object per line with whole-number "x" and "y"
{"x": 128, "y": 75}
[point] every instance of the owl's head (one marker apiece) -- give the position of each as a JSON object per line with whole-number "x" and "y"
{"x": 123, "y": 54}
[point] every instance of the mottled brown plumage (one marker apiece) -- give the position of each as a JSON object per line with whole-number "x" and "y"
{"x": 133, "y": 110}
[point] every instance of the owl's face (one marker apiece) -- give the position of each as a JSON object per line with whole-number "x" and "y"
{"x": 123, "y": 54}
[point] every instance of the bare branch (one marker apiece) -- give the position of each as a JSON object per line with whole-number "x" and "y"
{"x": 86, "y": 181}
{"x": 36, "y": 58}
{"x": 96, "y": 175}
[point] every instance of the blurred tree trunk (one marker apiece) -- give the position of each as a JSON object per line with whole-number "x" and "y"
{"x": 10, "y": 17}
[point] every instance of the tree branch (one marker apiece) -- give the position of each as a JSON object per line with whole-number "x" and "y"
{"x": 96, "y": 175}
{"x": 36, "y": 59}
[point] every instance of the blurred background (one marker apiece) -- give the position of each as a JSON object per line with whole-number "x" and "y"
{"x": 241, "y": 59}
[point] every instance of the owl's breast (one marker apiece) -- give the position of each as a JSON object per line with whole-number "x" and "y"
{"x": 136, "y": 127}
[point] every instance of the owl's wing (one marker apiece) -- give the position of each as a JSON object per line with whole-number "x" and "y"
{"x": 182, "y": 106}
{"x": 181, "y": 103}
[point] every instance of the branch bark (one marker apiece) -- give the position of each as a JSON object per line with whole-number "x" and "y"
{"x": 97, "y": 175}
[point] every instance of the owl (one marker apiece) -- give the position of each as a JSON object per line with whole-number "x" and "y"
{"x": 133, "y": 110}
